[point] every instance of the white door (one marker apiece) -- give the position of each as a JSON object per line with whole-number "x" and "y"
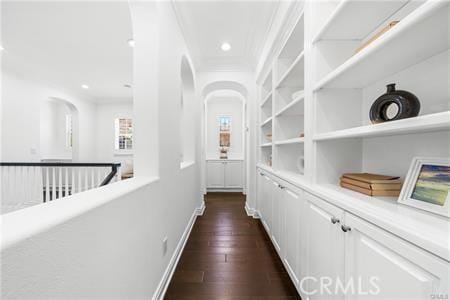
{"x": 277, "y": 214}
{"x": 291, "y": 234}
{"x": 215, "y": 174}
{"x": 325, "y": 248}
{"x": 233, "y": 174}
{"x": 389, "y": 267}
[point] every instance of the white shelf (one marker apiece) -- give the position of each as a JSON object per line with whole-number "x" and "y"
{"x": 266, "y": 99}
{"x": 295, "y": 107}
{"x": 353, "y": 20}
{"x": 427, "y": 123}
{"x": 294, "y": 75}
{"x": 266, "y": 145}
{"x": 299, "y": 140}
{"x": 268, "y": 121}
{"x": 424, "y": 33}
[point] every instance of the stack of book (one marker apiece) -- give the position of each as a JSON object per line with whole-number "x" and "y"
{"x": 372, "y": 184}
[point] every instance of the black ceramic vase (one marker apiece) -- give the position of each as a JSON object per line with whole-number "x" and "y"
{"x": 394, "y": 105}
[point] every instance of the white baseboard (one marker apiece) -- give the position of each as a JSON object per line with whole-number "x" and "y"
{"x": 251, "y": 212}
{"x": 165, "y": 280}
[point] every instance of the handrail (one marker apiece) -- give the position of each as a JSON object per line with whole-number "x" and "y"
{"x": 57, "y": 164}
{"x": 110, "y": 175}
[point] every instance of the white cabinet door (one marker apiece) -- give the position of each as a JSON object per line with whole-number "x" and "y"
{"x": 233, "y": 174}
{"x": 215, "y": 174}
{"x": 389, "y": 267}
{"x": 291, "y": 233}
{"x": 277, "y": 215}
{"x": 267, "y": 204}
{"x": 325, "y": 247}
{"x": 260, "y": 195}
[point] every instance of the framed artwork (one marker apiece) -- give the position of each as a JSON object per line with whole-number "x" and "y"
{"x": 427, "y": 185}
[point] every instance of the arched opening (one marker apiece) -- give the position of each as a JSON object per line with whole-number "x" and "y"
{"x": 225, "y": 153}
{"x": 187, "y": 113}
{"x": 58, "y": 130}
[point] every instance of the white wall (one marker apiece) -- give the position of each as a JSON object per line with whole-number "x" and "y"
{"x": 217, "y": 106}
{"x": 21, "y": 100}
{"x": 105, "y": 131}
{"x": 107, "y": 243}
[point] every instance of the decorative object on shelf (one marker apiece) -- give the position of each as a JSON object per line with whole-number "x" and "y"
{"x": 302, "y": 135}
{"x": 297, "y": 94}
{"x": 223, "y": 153}
{"x": 301, "y": 164}
{"x": 269, "y": 137}
{"x": 394, "y": 105}
{"x": 377, "y": 35}
{"x": 372, "y": 184}
{"x": 427, "y": 185}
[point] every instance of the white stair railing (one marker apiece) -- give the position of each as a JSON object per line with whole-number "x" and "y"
{"x": 27, "y": 184}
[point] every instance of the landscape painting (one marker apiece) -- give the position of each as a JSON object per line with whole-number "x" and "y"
{"x": 432, "y": 185}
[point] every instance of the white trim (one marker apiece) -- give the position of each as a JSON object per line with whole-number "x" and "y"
{"x": 225, "y": 190}
{"x": 167, "y": 276}
{"x": 251, "y": 212}
{"x": 186, "y": 164}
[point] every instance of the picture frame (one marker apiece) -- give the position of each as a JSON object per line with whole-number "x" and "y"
{"x": 427, "y": 185}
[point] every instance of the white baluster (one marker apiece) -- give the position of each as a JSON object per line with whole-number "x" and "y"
{"x": 86, "y": 178}
{"x": 98, "y": 176}
{"x": 53, "y": 183}
{"x": 40, "y": 184}
{"x": 47, "y": 184}
{"x": 73, "y": 188}
{"x": 80, "y": 187}
{"x": 60, "y": 174}
{"x": 27, "y": 185}
{"x": 66, "y": 185}
{"x": 93, "y": 178}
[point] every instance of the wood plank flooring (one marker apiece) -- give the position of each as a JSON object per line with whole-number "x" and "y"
{"x": 229, "y": 256}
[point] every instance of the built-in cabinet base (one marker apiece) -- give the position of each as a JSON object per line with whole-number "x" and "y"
{"x": 321, "y": 242}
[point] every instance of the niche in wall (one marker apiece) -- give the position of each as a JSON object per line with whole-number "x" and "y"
{"x": 58, "y": 130}
{"x": 187, "y": 113}
{"x": 225, "y": 105}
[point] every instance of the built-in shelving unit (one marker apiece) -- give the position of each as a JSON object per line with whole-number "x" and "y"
{"x": 286, "y": 120}
{"x": 344, "y": 79}
{"x": 347, "y": 81}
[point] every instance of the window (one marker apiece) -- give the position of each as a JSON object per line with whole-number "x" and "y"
{"x": 224, "y": 131}
{"x": 69, "y": 133}
{"x": 124, "y": 134}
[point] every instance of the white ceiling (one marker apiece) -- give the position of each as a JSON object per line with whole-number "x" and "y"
{"x": 68, "y": 44}
{"x": 243, "y": 24}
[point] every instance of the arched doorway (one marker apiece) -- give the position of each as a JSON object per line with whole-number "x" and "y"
{"x": 58, "y": 128}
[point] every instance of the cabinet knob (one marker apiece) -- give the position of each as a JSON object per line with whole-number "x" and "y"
{"x": 345, "y": 228}
{"x": 334, "y": 220}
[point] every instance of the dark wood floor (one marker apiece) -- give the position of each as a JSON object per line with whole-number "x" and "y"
{"x": 229, "y": 256}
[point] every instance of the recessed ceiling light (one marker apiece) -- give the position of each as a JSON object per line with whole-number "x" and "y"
{"x": 85, "y": 86}
{"x": 1, "y": 48}
{"x": 225, "y": 47}
{"x": 131, "y": 43}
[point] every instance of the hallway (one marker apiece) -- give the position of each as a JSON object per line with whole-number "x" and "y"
{"x": 229, "y": 256}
